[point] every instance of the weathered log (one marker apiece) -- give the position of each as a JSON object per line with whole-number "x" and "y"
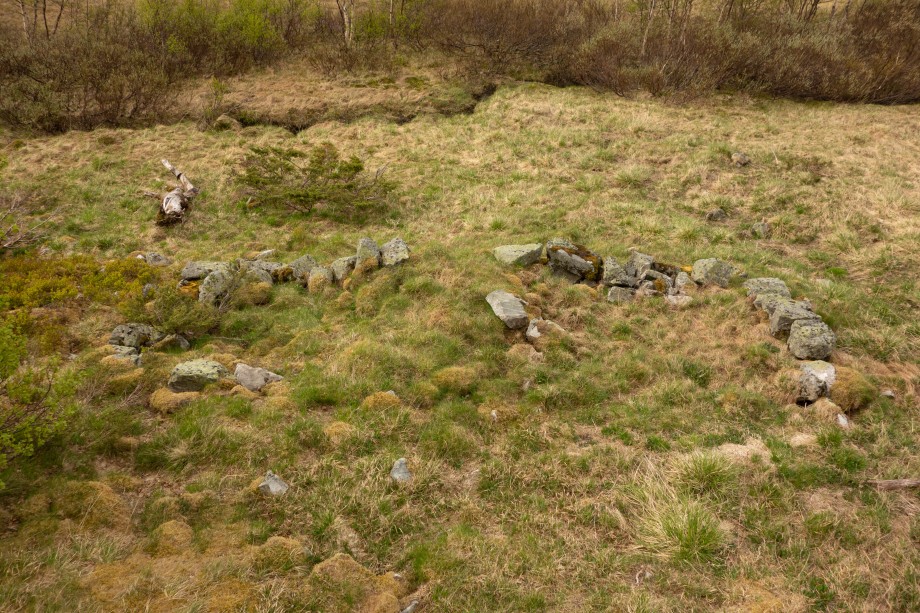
{"x": 894, "y": 484}
{"x": 177, "y": 202}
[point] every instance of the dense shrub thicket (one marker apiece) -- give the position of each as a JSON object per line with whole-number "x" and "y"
{"x": 122, "y": 63}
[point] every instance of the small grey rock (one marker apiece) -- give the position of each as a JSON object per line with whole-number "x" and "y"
{"x": 135, "y": 335}
{"x": 301, "y": 267}
{"x": 662, "y": 282}
{"x": 811, "y": 339}
{"x": 769, "y": 302}
{"x": 614, "y": 274}
{"x": 264, "y": 255}
{"x": 843, "y": 421}
{"x": 257, "y": 274}
{"x": 816, "y": 380}
{"x": 260, "y": 266}
{"x": 785, "y": 313}
{"x": 400, "y": 471}
{"x": 193, "y": 271}
{"x": 509, "y": 308}
{"x": 147, "y": 290}
{"x": 127, "y": 353}
{"x": 411, "y": 608}
{"x": 342, "y": 267}
{"x": 888, "y": 394}
{"x": 194, "y": 375}
{"x": 226, "y": 122}
{"x": 716, "y": 215}
{"x": 766, "y": 285}
{"x": 638, "y": 264}
{"x": 518, "y": 255}
{"x": 318, "y": 272}
{"x": 619, "y": 295}
{"x": 273, "y": 485}
{"x": 254, "y": 379}
{"x": 740, "y": 159}
{"x": 540, "y": 327}
{"x": 712, "y": 271}
{"x": 761, "y": 229}
{"x": 394, "y": 252}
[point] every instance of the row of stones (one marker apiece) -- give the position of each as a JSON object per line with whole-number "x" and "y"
{"x": 808, "y": 337}
{"x": 214, "y": 281}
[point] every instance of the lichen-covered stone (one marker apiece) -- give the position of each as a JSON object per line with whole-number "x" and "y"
{"x": 766, "y": 285}
{"x": 811, "y": 339}
{"x": 192, "y": 376}
{"x": 761, "y": 229}
{"x": 342, "y": 267}
{"x": 785, "y": 313}
{"x": 194, "y": 271}
{"x": 712, "y": 271}
{"x": 394, "y": 252}
{"x": 638, "y": 264}
{"x": 301, "y": 267}
{"x": 519, "y": 255}
{"x": 614, "y": 274}
{"x": 573, "y": 261}
{"x": 215, "y": 286}
{"x": 135, "y": 335}
{"x": 716, "y": 215}
{"x": 367, "y": 256}
{"x": 509, "y": 308}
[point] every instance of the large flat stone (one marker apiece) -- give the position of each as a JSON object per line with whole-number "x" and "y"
{"x": 509, "y": 308}
{"x": 518, "y": 255}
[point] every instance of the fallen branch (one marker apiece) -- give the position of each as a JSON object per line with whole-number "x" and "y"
{"x": 894, "y": 484}
{"x": 177, "y": 202}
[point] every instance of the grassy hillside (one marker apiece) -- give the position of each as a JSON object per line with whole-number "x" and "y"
{"x": 654, "y": 460}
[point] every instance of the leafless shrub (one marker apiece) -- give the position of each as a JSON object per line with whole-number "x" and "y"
{"x": 20, "y": 223}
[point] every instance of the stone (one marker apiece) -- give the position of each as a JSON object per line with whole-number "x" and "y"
{"x": 573, "y": 261}
{"x": 519, "y": 255}
{"x": 272, "y": 485}
{"x": 679, "y": 301}
{"x": 638, "y": 264}
{"x": 225, "y": 122}
{"x": 301, "y": 267}
{"x": 842, "y": 421}
{"x": 164, "y": 400}
{"x": 368, "y": 255}
{"x": 761, "y": 229}
{"x": 811, "y": 339}
{"x": 509, "y": 308}
{"x": 394, "y": 252}
{"x": 785, "y": 313}
{"x": 265, "y": 255}
{"x": 816, "y": 380}
{"x": 172, "y": 341}
{"x": 135, "y": 335}
{"x": 647, "y": 288}
{"x": 740, "y": 159}
{"x": 540, "y": 332}
{"x": 342, "y": 267}
{"x": 320, "y": 278}
{"x": 261, "y": 269}
{"x": 614, "y": 274}
{"x": 621, "y": 294}
{"x": 712, "y": 271}
{"x": 766, "y": 285}
{"x": 887, "y": 394}
{"x": 253, "y": 378}
{"x": 716, "y": 215}
{"x": 400, "y": 471}
{"x": 661, "y": 281}
{"x": 215, "y": 287}
{"x": 683, "y": 283}
{"x": 156, "y": 259}
{"x": 127, "y": 353}
{"x": 194, "y": 375}
{"x": 194, "y": 271}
